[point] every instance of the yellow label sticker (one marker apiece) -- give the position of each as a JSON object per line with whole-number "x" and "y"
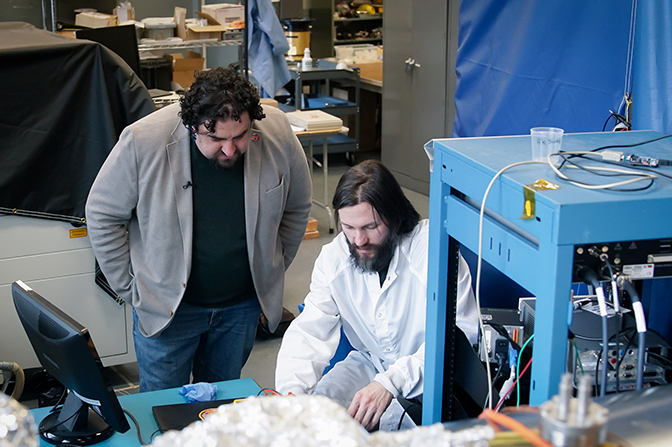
{"x": 529, "y": 204}
{"x": 78, "y": 232}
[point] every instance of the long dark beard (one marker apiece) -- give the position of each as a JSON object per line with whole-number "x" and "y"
{"x": 381, "y": 258}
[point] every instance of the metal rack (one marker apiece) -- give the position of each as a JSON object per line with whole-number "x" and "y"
{"x": 188, "y": 44}
{"x": 318, "y": 79}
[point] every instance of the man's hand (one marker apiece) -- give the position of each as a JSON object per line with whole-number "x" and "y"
{"x": 369, "y": 404}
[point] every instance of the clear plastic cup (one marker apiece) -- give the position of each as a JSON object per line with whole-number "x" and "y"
{"x": 545, "y": 141}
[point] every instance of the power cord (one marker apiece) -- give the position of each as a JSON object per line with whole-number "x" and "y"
{"x": 137, "y": 426}
{"x": 480, "y": 262}
{"x": 641, "y": 327}
{"x": 615, "y": 157}
{"x": 401, "y": 419}
{"x": 567, "y": 156}
{"x": 622, "y": 122}
{"x": 501, "y": 361}
{"x": 268, "y": 392}
{"x": 588, "y": 276}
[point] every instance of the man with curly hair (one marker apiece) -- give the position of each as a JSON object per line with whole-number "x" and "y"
{"x": 194, "y": 218}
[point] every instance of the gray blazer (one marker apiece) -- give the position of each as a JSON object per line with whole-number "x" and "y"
{"x": 140, "y": 216}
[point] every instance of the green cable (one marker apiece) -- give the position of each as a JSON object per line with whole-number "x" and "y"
{"x": 520, "y": 354}
{"x": 578, "y": 356}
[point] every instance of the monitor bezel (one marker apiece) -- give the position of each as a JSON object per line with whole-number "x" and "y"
{"x": 65, "y": 349}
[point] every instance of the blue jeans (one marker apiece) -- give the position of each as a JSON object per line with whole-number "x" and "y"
{"x": 211, "y": 343}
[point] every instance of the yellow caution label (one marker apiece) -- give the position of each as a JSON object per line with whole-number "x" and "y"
{"x": 529, "y": 203}
{"x": 77, "y": 232}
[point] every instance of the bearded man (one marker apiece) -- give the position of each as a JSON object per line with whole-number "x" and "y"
{"x": 371, "y": 281}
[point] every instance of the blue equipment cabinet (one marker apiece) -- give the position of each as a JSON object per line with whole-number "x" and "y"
{"x": 537, "y": 253}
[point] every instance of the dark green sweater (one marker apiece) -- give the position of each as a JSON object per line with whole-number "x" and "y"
{"x": 220, "y": 269}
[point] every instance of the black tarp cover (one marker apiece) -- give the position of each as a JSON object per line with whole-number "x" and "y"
{"x": 64, "y": 105}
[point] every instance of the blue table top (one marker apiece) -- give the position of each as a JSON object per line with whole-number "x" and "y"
{"x": 490, "y": 154}
{"x": 471, "y": 163}
{"x": 140, "y": 406}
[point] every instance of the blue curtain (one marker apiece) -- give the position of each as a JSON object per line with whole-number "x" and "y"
{"x": 652, "y": 109}
{"x": 529, "y": 63}
{"x": 652, "y": 77}
{"x": 526, "y": 63}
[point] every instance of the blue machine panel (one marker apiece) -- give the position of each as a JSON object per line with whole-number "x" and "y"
{"x": 536, "y": 253}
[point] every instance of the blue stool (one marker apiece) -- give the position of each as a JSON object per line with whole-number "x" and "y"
{"x": 344, "y": 347}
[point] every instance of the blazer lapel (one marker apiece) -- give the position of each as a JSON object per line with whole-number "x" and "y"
{"x": 179, "y": 158}
{"x": 252, "y": 179}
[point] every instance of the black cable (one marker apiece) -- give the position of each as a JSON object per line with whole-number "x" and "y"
{"x": 639, "y": 318}
{"x": 137, "y": 426}
{"x": 567, "y": 159}
{"x": 47, "y": 429}
{"x": 605, "y": 123}
{"x": 151, "y": 437}
{"x": 661, "y": 357}
{"x": 620, "y": 361}
{"x": 502, "y": 361}
{"x": 619, "y": 146}
{"x": 619, "y": 119}
{"x": 588, "y": 276}
{"x": 267, "y": 391}
{"x": 636, "y": 168}
{"x": 581, "y": 337}
{"x": 58, "y": 406}
{"x": 401, "y": 419}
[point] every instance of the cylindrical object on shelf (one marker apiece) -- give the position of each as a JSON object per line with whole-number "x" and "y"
{"x": 297, "y": 32}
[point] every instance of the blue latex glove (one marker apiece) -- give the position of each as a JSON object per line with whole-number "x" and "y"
{"x": 199, "y": 392}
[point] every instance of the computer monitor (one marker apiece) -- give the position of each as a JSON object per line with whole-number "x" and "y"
{"x": 122, "y": 40}
{"x": 91, "y": 412}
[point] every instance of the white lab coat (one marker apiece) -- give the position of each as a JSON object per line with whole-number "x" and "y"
{"x": 386, "y": 325}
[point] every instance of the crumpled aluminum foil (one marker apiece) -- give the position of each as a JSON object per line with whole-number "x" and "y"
{"x": 17, "y": 426}
{"x": 304, "y": 421}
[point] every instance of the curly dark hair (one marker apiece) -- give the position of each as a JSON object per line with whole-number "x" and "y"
{"x": 219, "y": 94}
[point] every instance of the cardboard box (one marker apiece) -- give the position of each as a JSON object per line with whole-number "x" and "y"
{"x": 180, "y": 19}
{"x": 184, "y": 68}
{"x": 205, "y": 32}
{"x": 226, "y": 14}
{"x": 311, "y": 229}
{"x": 90, "y": 19}
{"x": 190, "y": 32}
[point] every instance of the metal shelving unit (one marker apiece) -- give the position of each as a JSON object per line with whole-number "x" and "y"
{"x": 190, "y": 44}
{"x": 318, "y": 80}
{"x": 356, "y": 24}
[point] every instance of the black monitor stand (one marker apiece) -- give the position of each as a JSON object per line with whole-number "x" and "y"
{"x": 75, "y": 423}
